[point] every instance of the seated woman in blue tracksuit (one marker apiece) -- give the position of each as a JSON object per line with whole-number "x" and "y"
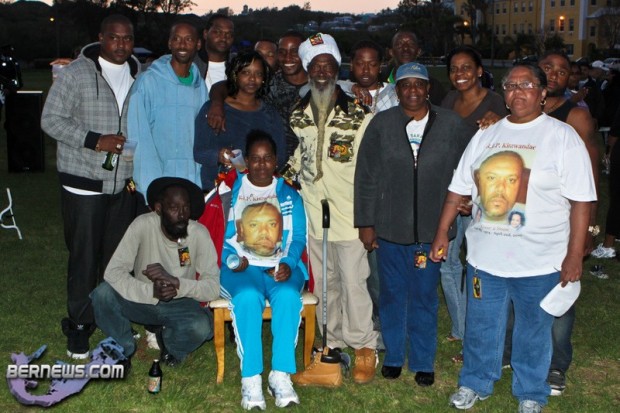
{"x": 264, "y": 241}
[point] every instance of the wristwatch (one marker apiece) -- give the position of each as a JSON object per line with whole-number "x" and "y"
{"x": 594, "y": 230}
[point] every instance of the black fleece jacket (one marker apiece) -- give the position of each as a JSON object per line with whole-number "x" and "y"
{"x": 403, "y": 202}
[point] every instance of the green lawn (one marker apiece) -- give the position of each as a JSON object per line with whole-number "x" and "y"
{"x": 33, "y": 302}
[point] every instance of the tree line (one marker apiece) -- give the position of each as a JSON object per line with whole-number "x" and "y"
{"x": 40, "y": 32}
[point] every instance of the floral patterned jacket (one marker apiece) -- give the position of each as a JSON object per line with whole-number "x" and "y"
{"x": 326, "y": 169}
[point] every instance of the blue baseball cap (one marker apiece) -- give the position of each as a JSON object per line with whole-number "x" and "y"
{"x": 412, "y": 69}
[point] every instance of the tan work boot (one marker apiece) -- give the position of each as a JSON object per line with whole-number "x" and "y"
{"x": 366, "y": 361}
{"x": 319, "y": 373}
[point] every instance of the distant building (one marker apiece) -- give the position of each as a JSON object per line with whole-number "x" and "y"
{"x": 580, "y": 23}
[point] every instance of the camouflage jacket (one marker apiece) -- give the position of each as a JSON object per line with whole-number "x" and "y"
{"x": 328, "y": 172}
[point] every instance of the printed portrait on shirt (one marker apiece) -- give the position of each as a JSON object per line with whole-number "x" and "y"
{"x": 501, "y": 181}
{"x": 258, "y": 225}
{"x": 260, "y": 229}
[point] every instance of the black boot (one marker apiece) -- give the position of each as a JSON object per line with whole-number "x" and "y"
{"x": 78, "y": 336}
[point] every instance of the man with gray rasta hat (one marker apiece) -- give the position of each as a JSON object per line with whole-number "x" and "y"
{"x": 163, "y": 267}
{"x": 330, "y": 127}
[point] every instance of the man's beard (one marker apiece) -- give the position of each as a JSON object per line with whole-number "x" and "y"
{"x": 321, "y": 99}
{"x": 178, "y": 230}
{"x": 321, "y": 95}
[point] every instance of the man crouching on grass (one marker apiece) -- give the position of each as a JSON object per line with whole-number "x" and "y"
{"x": 163, "y": 267}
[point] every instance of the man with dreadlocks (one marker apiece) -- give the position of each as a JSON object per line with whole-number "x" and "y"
{"x": 330, "y": 127}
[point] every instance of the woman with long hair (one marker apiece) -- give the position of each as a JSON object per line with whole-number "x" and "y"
{"x": 247, "y": 81}
{"x": 479, "y": 107}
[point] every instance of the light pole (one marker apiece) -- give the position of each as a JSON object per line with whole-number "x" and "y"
{"x": 465, "y": 30}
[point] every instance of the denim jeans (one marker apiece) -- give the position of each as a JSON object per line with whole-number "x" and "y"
{"x": 483, "y": 345}
{"x": 408, "y": 304}
{"x": 562, "y": 347}
{"x": 561, "y": 333}
{"x": 185, "y": 324}
{"x": 452, "y": 277}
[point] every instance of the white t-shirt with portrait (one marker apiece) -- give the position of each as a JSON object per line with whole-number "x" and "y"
{"x": 524, "y": 231}
{"x": 258, "y": 220}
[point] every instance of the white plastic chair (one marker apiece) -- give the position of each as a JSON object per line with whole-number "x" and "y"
{"x": 10, "y": 214}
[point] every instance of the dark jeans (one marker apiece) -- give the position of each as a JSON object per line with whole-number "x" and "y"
{"x": 561, "y": 333}
{"x": 408, "y": 306}
{"x": 562, "y": 346}
{"x": 93, "y": 226}
{"x": 185, "y": 324}
{"x": 485, "y": 331}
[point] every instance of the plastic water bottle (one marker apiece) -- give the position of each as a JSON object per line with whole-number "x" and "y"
{"x": 233, "y": 261}
{"x": 56, "y": 70}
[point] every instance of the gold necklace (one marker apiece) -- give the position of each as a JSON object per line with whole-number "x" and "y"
{"x": 373, "y": 109}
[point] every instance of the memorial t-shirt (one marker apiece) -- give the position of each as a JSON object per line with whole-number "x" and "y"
{"x": 521, "y": 178}
{"x": 258, "y": 221}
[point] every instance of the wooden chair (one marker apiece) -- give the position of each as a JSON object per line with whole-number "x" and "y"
{"x": 221, "y": 314}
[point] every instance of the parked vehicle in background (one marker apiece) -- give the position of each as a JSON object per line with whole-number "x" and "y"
{"x": 612, "y": 62}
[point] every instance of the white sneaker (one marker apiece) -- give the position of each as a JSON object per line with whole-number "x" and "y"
{"x": 465, "y": 398}
{"x": 281, "y": 387}
{"x": 529, "y": 406}
{"x": 252, "y": 393}
{"x": 78, "y": 356}
{"x": 151, "y": 341}
{"x": 603, "y": 252}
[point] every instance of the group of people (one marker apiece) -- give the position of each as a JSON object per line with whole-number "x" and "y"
{"x": 403, "y": 164}
{"x": 596, "y": 86}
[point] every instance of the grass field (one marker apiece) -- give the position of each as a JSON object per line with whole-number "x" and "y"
{"x": 32, "y": 302}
